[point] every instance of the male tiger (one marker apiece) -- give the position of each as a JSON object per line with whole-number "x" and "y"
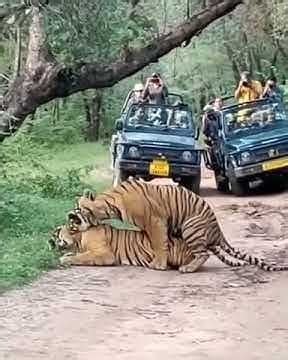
{"x": 104, "y": 245}
{"x": 162, "y": 210}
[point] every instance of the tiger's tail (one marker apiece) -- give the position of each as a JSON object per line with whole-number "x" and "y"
{"x": 249, "y": 259}
{"x": 217, "y": 251}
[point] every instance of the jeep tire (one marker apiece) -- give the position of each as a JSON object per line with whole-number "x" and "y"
{"x": 239, "y": 187}
{"x": 276, "y": 182}
{"x": 222, "y": 182}
{"x": 192, "y": 183}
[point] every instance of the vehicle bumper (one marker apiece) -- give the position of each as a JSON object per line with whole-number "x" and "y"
{"x": 261, "y": 168}
{"x": 176, "y": 170}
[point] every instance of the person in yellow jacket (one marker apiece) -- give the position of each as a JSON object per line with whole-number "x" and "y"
{"x": 248, "y": 89}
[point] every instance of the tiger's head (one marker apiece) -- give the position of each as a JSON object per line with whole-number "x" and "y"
{"x": 78, "y": 220}
{"x": 65, "y": 239}
{"x": 91, "y": 210}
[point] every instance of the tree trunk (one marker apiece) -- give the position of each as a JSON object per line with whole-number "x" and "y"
{"x": 86, "y": 108}
{"x": 96, "y": 115}
{"x": 93, "y": 110}
{"x": 43, "y": 79}
{"x": 18, "y": 52}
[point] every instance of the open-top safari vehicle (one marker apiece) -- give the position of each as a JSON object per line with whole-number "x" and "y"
{"x": 251, "y": 146}
{"x": 158, "y": 141}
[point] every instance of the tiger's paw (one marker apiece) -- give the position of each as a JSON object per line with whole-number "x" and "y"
{"x": 158, "y": 264}
{"x": 66, "y": 259}
{"x": 185, "y": 269}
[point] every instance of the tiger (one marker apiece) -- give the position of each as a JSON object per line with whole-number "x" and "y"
{"x": 103, "y": 245}
{"x": 159, "y": 210}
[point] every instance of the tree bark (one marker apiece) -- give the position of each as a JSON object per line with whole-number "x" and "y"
{"x": 43, "y": 79}
{"x": 93, "y": 110}
{"x": 96, "y": 107}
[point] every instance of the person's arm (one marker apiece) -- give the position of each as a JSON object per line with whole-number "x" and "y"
{"x": 264, "y": 93}
{"x": 165, "y": 90}
{"x": 259, "y": 88}
{"x": 146, "y": 90}
{"x": 205, "y": 125}
{"x": 238, "y": 91}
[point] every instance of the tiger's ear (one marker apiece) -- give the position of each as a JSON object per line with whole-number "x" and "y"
{"x": 89, "y": 194}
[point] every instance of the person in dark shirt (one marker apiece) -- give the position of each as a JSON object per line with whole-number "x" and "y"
{"x": 210, "y": 131}
{"x": 210, "y": 126}
{"x": 272, "y": 90}
{"x": 155, "y": 91}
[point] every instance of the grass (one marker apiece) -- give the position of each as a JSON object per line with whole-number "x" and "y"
{"x": 38, "y": 185}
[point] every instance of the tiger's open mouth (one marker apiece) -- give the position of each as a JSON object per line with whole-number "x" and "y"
{"x": 78, "y": 221}
{"x": 74, "y": 217}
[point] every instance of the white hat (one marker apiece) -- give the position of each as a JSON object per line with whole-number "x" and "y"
{"x": 138, "y": 87}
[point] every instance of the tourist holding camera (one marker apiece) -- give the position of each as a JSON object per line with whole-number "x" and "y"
{"x": 272, "y": 90}
{"x": 155, "y": 91}
{"x": 248, "y": 89}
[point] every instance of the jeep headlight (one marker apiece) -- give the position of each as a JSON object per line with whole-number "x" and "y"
{"x": 134, "y": 152}
{"x": 187, "y": 156}
{"x": 119, "y": 150}
{"x": 245, "y": 157}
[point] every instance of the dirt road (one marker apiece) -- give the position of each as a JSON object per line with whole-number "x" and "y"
{"x": 137, "y": 314}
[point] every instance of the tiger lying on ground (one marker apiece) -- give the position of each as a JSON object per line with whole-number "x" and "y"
{"x": 103, "y": 245}
{"x": 162, "y": 210}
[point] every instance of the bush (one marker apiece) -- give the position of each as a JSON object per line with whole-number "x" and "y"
{"x": 38, "y": 186}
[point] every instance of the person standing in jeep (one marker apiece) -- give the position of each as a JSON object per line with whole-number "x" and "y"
{"x": 248, "y": 89}
{"x": 272, "y": 90}
{"x": 155, "y": 90}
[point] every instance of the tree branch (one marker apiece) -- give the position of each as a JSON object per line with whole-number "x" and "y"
{"x": 44, "y": 79}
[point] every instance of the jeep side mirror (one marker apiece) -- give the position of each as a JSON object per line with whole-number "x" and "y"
{"x": 119, "y": 125}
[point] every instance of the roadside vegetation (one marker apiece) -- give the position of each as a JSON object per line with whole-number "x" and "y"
{"x": 38, "y": 185}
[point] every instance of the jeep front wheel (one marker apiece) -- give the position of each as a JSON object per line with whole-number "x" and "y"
{"x": 222, "y": 182}
{"x": 239, "y": 187}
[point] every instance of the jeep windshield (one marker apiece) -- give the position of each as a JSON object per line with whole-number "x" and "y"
{"x": 250, "y": 118}
{"x": 160, "y": 119}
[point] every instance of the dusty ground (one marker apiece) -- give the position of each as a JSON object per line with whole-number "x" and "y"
{"x": 136, "y": 314}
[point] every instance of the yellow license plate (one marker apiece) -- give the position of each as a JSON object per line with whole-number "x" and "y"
{"x": 275, "y": 164}
{"x": 159, "y": 168}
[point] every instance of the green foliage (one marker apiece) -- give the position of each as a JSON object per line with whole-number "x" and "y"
{"x": 59, "y": 123}
{"x": 38, "y": 186}
{"x": 94, "y": 31}
{"x": 25, "y": 226}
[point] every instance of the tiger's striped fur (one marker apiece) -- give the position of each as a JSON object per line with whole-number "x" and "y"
{"x": 162, "y": 210}
{"x": 104, "y": 245}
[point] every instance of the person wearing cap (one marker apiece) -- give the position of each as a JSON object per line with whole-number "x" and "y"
{"x": 248, "y": 89}
{"x": 272, "y": 90}
{"x": 155, "y": 91}
{"x": 137, "y": 93}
